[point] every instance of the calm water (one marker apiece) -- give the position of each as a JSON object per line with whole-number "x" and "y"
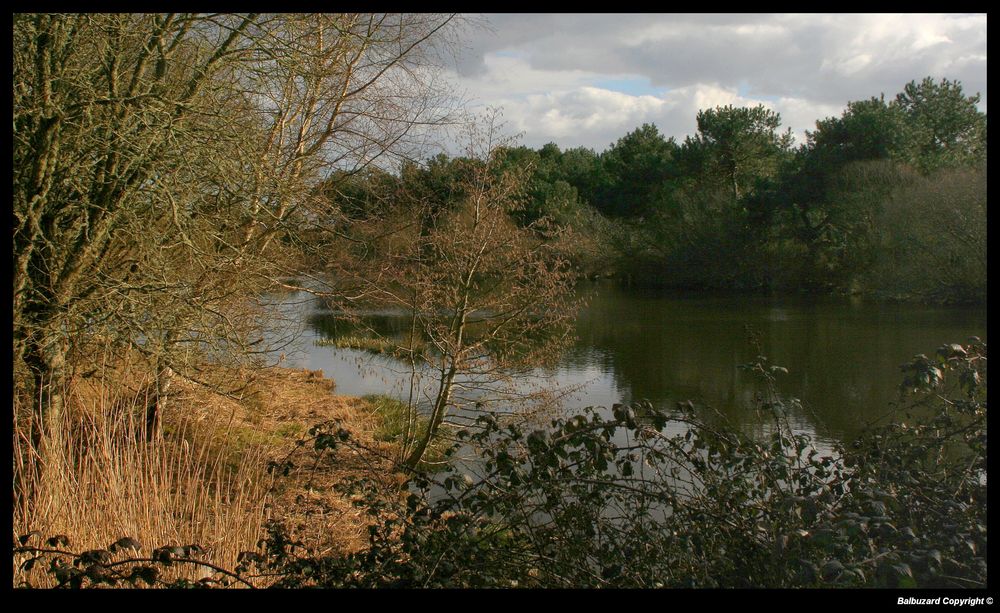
{"x": 843, "y": 357}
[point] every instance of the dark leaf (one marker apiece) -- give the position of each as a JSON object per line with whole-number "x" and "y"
{"x": 125, "y": 543}
{"x": 904, "y": 575}
{"x": 24, "y": 538}
{"x": 93, "y": 556}
{"x": 57, "y": 540}
{"x": 148, "y": 574}
{"x": 832, "y": 570}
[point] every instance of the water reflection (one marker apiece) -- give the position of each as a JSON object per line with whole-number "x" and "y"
{"x": 843, "y": 356}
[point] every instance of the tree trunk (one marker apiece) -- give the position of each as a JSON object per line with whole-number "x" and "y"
{"x": 45, "y": 357}
{"x": 157, "y": 401}
{"x": 437, "y": 416}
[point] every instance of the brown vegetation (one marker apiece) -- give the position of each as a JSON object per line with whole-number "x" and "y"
{"x": 204, "y": 480}
{"x": 164, "y": 166}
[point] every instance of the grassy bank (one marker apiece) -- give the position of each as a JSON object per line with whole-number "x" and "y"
{"x": 204, "y": 480}
{"x": 398, "y": 425}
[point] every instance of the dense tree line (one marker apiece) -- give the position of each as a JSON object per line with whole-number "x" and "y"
{"x": 170, "y": 169}
{"x": 889, "y": 198}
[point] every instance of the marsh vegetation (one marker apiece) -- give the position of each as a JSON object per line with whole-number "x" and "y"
{"x": 172, "y": 172}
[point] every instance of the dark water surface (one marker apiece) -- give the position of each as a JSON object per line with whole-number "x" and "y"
{"x": 843, "y": 356}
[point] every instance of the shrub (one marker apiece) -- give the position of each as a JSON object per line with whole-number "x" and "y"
{"x": 636, "y": 497}
{"x": 933, "y": 239}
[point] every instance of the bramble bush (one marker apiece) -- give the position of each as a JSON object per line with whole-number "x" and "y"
{"x": 638, "y": 497}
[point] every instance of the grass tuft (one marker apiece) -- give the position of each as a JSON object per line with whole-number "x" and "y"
{"x": 397, "y": 422}
{"x": 105, "y": 481}
{"x": 375, "y": 345}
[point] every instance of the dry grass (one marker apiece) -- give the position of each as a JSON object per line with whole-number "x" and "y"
{"x": 398, "y": 348}
{"x": 204, "y": 481}
{"x": 292, "y": 401}
{"x": 107, "y": 482}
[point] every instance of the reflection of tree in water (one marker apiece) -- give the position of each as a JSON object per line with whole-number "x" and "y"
{"x": 395, "y": 328}
{"x": 331, "y": 326}
{"x": 665, "y": 350}
{"x": 843, "y": 360}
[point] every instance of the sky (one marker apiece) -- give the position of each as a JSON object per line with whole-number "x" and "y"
{"x": 588, "y": 79}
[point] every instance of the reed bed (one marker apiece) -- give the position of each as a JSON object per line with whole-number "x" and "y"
{"x": 104, "y": 481}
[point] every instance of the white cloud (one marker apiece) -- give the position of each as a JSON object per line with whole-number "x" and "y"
{"x": 505, "y": 75}
{"x": 570, "y": 117}
{"x": 596, "y": 117}
{"x": 560, "y": 77}
{"x": 801, "y": 115}
{"x": 848, "y": 66}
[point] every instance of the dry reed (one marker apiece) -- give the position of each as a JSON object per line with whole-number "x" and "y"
{"x": 106, "y": 482}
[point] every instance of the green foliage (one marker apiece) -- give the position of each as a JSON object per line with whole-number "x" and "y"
{"x": 637, "y": 167}
{"x": 634, "y": 497}
{"x": 739, "y": 145}
{"x": 929, "y": 469}
{"x": 867, "y": 130}
{"x": 735, "y": 207}
{"x": 842, "y": 232}
{"x": 943, "y": 125}
{"x": 684, "y": 248}
{"x": 836, "y": 197}
{"x": 931, "y": 239}
{"x": 360, "y": 195}
{"x": 701, "y": 214}
{"x": 548, "y": 196}
{"x": 583, "y": 169}
{"x": 928, "y": 125}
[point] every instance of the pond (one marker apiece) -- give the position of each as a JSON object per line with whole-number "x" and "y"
{"x": 843, "y": 356}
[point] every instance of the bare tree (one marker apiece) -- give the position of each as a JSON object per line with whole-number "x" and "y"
{"x": 485, "y": 299}
{"x": 160, "y": 159}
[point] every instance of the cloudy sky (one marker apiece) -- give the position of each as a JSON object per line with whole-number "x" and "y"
{"x": 586, "y": 80}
